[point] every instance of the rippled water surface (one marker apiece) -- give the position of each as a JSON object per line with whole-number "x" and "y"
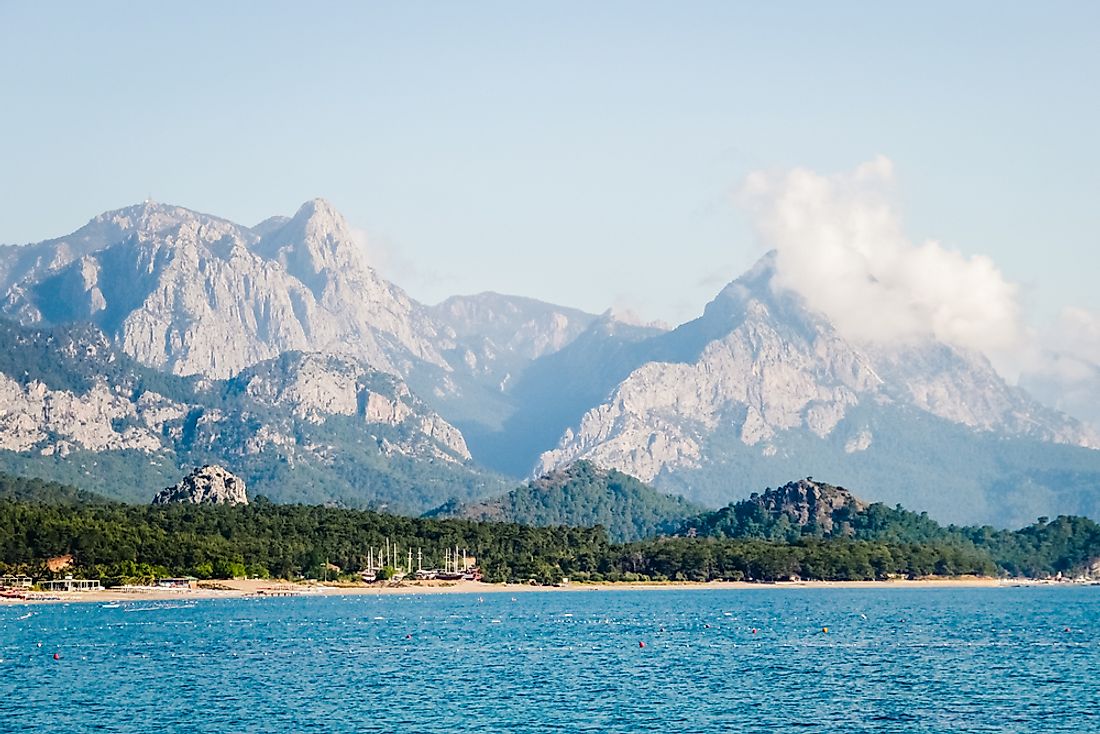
{"x": 928, "y": 660}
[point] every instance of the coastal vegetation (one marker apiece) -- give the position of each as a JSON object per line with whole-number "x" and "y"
{"x": 122, "y": 543}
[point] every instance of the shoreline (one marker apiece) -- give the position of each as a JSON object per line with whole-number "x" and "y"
{"x": 261, "y": 589}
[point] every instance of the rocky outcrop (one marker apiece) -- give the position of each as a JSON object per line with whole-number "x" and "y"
{"x": 208, "y": 485}
{"x": 808, "y": 503}
{"x": 34, "y": 417}
{"x": 313, "y": 387}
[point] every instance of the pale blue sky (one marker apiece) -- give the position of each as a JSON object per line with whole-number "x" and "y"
{"x": 576, "y": 152}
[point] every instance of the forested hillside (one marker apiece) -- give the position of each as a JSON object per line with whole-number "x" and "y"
{"x": 582, "y": 494}
{"x": 806, "y": 510}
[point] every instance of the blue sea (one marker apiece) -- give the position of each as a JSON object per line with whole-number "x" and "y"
{"x": 892, "y": 660}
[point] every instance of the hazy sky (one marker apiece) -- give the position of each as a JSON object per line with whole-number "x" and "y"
{"x": 583, "y": 153}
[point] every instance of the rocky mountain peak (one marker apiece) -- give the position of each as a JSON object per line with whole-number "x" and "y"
{"x": 806, "y": 502}
{"x": 755, "y": 296}
{"x": 315, "y": 245}
{"x": 152, "y": 220}
{"x": 319, "y": 215}
{"x": 209, "y": 484}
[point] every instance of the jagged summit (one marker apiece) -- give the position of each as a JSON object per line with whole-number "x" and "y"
{"x": 316, "y": 246}
{"x": 757, "y": 282}
{"x": 316, "y": 221}
{"x": 808, "y": 503}
{"x": 207, "y": 485}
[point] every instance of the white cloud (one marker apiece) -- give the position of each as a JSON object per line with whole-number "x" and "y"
{"x": 1063, "y": 366}
{"x": 840, "y": 244}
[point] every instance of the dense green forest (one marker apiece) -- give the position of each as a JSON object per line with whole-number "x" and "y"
{"x": 262, "y": 539}
{"x": 32, "y": 489}
{"x": 1044, "y": 547}
{"x": 120, "y": 542}
{"x": 583, "y": 494}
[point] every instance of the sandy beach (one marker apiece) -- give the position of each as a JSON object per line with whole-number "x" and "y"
{"x": 239, "y": 588}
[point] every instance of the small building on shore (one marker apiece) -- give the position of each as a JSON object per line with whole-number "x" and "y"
{"x": 70, "y": 584}
{"x": 16, "y": 582}
{"x": 178, "y": 582}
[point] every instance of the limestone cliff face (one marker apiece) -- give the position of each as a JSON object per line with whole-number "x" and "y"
{"x": 207, "y": 485}
{"x": 34, "y": 417}
{"x": 758, "y": 365}
{"x": 195, "y": 294}
{"x": 750, "y": 366}
{"x": 313, "y": 387}
{"x": 67, "y": 390}
{"x": 964, "y": 388}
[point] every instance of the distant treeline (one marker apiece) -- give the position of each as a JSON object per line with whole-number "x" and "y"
{"x": 121, "y": 542}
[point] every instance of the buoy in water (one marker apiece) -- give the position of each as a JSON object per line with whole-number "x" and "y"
{"x": 706, "y": 626}
{"x": 825, "y": 630}
{"x": 754, "y": 630}
{"x": 408, "y": 637}
{"x": 641, "y": 644}
{"x": 57, "y": 656}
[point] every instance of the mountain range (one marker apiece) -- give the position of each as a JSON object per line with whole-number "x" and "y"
{"x": 171, "y": 338}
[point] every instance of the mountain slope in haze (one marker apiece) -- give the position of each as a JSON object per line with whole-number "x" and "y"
{"x": 302, "y": 427}
{"x": 490, "y": 340}
{"x": 554, "y": 391}
{"x": 582, "y": 495}
{"x": 760, "y": 386}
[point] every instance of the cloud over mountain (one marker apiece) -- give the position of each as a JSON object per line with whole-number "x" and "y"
{"x": 840, "y": 244}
